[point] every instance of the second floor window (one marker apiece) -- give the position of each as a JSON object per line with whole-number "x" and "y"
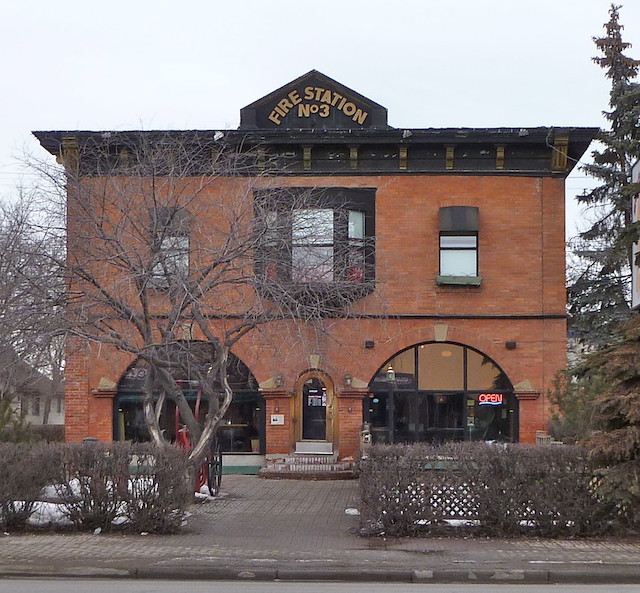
{"x": 458, "y": 254}
{"x": 459, "y": 245}
{"x": 169, "y": 246}
{"x": 312, "y": 245}
{"x": 330, "y": 243}
{"x": 172, "y": 259}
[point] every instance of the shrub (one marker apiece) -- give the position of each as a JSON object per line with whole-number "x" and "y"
{"x": 50, "y": 433}
{"x": 546, "y": 491}
{"x": 496, "y": 490}
{"x": 91, "y": 482}
{"x": 119, "y": 485}
{"x": 574, "y": 398}
{"x": 160, "y": 489}
{"x": 133, "y": 487}
{"x": 24, "y": 473}
{"x": 406, "y": 489}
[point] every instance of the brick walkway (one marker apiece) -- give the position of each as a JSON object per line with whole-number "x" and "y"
{"x": 280, "y": 514}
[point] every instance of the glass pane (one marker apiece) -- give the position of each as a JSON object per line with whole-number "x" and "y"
{"x": 312, "y": 264}
{"x": 405, "y": 416}
{"x": 356, "y": 263}
{"x": 356, "y": 224}
{"x": 403, "y": 365}
{"x": 314, "y": 410}
{"x": 463, "y": 241}
{"x": 312, "y": 227}
{"x": 458, "y": 263}
{"x": 482, "y": 374}
{"x": 445, "y": 421}
{"x": 239, "y": 429}
{"x": 487, "y": 422}
{"x": 173, "y": 259}
{"x": 440, "y": 366}
{"x": 271, "y": 234}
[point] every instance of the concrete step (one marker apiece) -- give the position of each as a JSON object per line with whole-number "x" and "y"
{"x": 306, "y": 459}
{"x": 310, "y": 467}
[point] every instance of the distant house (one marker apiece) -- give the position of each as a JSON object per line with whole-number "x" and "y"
{"x": 39, "y": 405}
{"x": 33, "y": 394}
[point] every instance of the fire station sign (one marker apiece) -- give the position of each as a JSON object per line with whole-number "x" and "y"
{"x": 313, "y": 101}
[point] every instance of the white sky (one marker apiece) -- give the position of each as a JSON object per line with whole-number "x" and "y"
{"x": 192, "y": 64}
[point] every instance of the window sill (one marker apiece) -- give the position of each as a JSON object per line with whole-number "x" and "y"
{"x": 459, "y": 280}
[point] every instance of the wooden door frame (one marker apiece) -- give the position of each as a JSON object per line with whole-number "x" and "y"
{"x": 331, "y": 411}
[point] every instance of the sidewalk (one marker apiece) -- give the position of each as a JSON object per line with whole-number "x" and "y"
{"x": 297, "y": 530}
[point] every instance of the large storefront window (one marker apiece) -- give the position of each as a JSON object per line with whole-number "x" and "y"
{"x": 242, "y": 429}
{"x": 441, "y": 392}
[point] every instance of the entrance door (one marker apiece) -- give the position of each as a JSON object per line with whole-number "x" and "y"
{"x": 314, "y": 410}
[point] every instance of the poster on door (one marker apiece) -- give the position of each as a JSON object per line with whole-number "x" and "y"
{"x": 315, "y": 399}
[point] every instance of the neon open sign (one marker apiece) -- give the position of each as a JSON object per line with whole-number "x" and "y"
{"x": 490, "y": 399}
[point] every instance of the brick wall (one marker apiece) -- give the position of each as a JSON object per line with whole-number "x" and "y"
{"x": 521, "y": 262}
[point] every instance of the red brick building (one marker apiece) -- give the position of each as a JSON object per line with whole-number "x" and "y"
{"x": 461, "y": 235}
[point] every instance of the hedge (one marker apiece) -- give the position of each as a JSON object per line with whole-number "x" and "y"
{"x": 97, "y": 486}
{"x": 484, "y": 489}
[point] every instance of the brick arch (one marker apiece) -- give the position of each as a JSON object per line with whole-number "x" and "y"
{"x": 456, "y": 333}
{"x": 318, "y": 373}
{"x": 126, "y": 363}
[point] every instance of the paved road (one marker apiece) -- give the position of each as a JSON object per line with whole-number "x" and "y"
{"x": 92, "y": 586}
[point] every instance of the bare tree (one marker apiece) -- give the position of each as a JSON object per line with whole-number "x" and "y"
{"x": 31, "y": 298}
{"x": 179, "y": 246}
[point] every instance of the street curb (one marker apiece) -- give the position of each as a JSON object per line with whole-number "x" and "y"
{"x": 610, "y": 576}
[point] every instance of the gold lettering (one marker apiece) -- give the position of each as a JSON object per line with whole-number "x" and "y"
{"x": 349, "y": 109}
{"x": 303, "y": 110}
{"x": 273, "y": 116}
{"x": 285, "y": 105}
{"x": 360, "y": 116}
{"x": 295, "y": 97}
{"x": 326, "y": 97}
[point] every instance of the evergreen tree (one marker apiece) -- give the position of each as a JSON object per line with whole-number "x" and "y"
{"x": 616, "y": 446}
{"x": 599, "y": 287}
{"x": 13, "y": 428}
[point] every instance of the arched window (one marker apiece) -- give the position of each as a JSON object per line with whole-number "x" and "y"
{"x": 441, "y": 391}
{"x": 243, "y": 427}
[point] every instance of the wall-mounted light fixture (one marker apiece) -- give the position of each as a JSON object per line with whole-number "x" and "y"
{"x": 510, "y": 345}
{"x": 347, "y": 379}
{"x": 369, "y": 344}
{"x": 391, "y": 374}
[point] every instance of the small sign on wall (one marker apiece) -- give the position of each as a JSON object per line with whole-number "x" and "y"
{"x": 277, "y": 419}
